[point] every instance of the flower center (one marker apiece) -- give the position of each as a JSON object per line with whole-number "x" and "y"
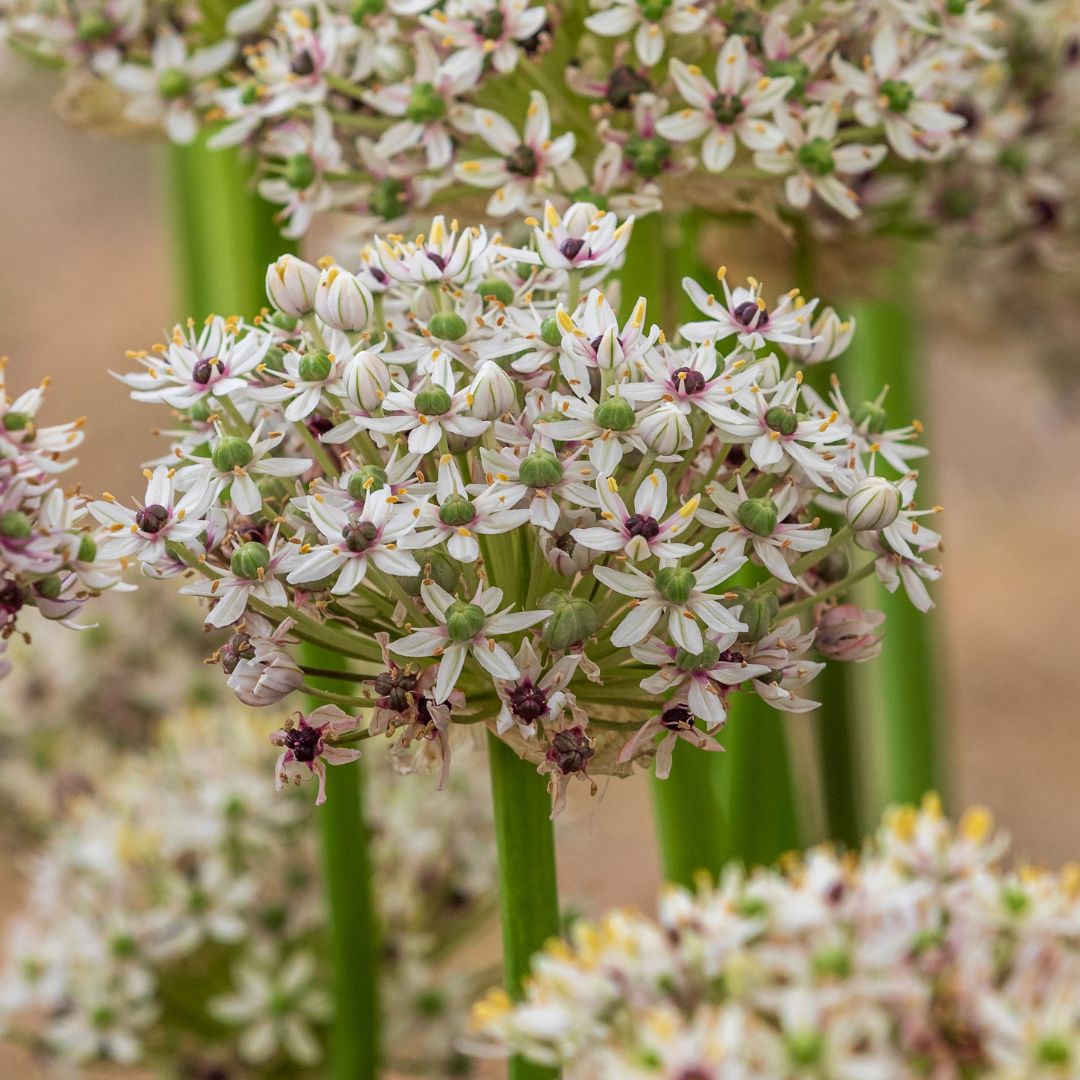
{"x": 302, "y": 64}
{"x": 748, "y": 311}
{"x": 152, "y": 519}
{"x": 643, "y": 525}
{"x": 522, "y": 162}
{"x": 203, "y": 372}
{"x": 528, "y": 702}
{"x": 394, "y": 688}
{"x": 571, "y": 247}
{"x": 359, "y": 537}
{"x": 490, "y": 25}
{"x": 726, "y": 108}
{"x": 898, "y": 94}
{"x": 624, "y": 85}
{"x": 688, "y": 380}
{"x": 570, "y": 750}
{"x": 816, "y": 157}
{"x": 677, "y": 718}
{"x": 304, "y": 742}
{"x": 782, "y": 418}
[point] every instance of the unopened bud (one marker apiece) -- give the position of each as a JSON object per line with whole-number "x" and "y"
{"x": 342, "y": 300}
{"x": 541, "y": 469}
{"x": 873, "y": 505}
{"x": 571, "y": 621}
{"x": 666, "y": 430}
{"x": 847, "y": 632}
{"x": 615, "y": 414}
{"x": 291, "y": 285}
{"x": 248, "y": 559}
{"x": 493, "y": 392}
{"x": 232, "y": 453}
{"x": 366, "y": 380}
{"x": 675, "y": 583}
{"x": 447, "y": 326}
{"x": 758, "y": 516}
{"x": 464, "y": 621}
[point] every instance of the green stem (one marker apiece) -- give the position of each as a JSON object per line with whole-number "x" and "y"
{"x": 900, "y": 690}
{"x": 528, "y": 896}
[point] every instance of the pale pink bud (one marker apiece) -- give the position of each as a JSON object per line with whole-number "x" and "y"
{"x": 847, "y": 632}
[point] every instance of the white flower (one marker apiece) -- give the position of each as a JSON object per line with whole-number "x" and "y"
{"x": 618, "y": 17}
{"x": 291, "y": 285}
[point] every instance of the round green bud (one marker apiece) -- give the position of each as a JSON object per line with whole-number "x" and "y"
{"x": 869, "y": 416}
{"x": 447, "y": 326}
{"x": 14, "y": 525}
{"x": 1015, "y": 900}
{"x": 675, "y": 583}
{"x": 93, "y": 26}
{"x": 541, "y": 469}
{"x": 615, "y": 414}
{"x": 758, "y": 516}
{"x": 832, "y": 962}
{"x": 956, "y": 7}
{"x": 792, "y": 68}
{"x": 457, "y": 511}
{"x": 300, "y": 172}
{"x": 283, "y": 322}
{"x": 425, "y": 104}
{"x": 898, "y": 93}
{"x": 49, "y": 587}
{"x": 436, "y": 567}
{"x": 759, "y": 613}
{"x": 727, "y": 108}
{"x": 316, "y": 366}
{"x": 816, "y": 157}
{"x": 571, "y": 621}
{"x": 804, "y": 1047}
{"x": 249, "y": 95}
{"x": 232, "y": 453}
{"x": 16, "y": 421}
{"x": 364, "y": 9}
{"x": 702, "y": 661}
{"x": 173, "y": 84}
{"x": 366, "y": 479}
{"x": 782, "y": 418}
{"x": 464, "y": 621}
{"x": 359, "y": 536}
{"x": 550, "y": 334}
{"x": 649, "y": 155}
{"x": 387, "y": 199}
{"x": 434, "y": 401}
{"x": 248, "y": 559}
{"x": 87, "y": 548}
{"x": 275, "y": 358}
{"x": 654, "y": 10}
{"x": 1053, "y": 1050}
{"x": 500, "y": 290}
{"x": 200, "y": 412}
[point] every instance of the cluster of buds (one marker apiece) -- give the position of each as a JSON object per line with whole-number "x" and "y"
{"x": 381, "y": 107}
{"x": 921, "y": 957}
{"x": 463, "y": 469}
{"x": 185, "y": 864}
{"x": 49, "y": 554}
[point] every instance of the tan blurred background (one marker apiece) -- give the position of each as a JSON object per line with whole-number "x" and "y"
{"x": 85, "y": 275}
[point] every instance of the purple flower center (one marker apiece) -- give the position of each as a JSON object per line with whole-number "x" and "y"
{"x": 11, "y": 599}
{"x": 677, "y": 718}
{"x": 522, "y": 162}
{"x": 304, "y": 742}
{"x": 152, "y": 519}
{"x": 570, "y": 750}
{"x": 747, "y": 311}
{"x": 528, "y": 702}
{"x": 688, "y": 380}
{"x": 203, "y": 372}
{"x": 643, "y": 525}
{"x": 571, "y": 247}
{"x": 237, "y": 648}
{"x": 437, "y": 259}
{"x": 394, "y": 689}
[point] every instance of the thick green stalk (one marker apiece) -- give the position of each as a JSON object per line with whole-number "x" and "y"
{"x": 688, "y": 805}
{"x": 528, "y": 896}
{"x": 224, "y": 237}
{"x": 899, "y": 692}
{"x": 352, "y": 938}
{"x": 834, "y": 724}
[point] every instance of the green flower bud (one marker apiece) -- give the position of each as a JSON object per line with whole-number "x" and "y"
{"x": 87, "y": 552}
{"x": 275, "y": 358}
{"x": 1053, "y": 1050}
{"x": 387, "y": 199}
{"x": 790, "y": 68}
{"x": 781, "y": 418}
{"x": 675, "y": 583}
{"x": 447, "y": 326}
{"x": 359, "y": 536}
{"x": 315, "y": 367}
{"x": 898, "y": 94}
{"x": 832, "y": 962}
{"x": 249, "y": 95}
{"x": 758, "y": 516}
{"x": 870, "y": 417}
{"x": 300, "y": 172}
{"x": 615, "y": 414}
{"x": 14, "y": 525}
{"x": 550, "y": 334}
{"x": 436, "y": 567}
{"x": 200, "y": 412}
{"x": 648, "y": 155}
{"x": 93, "y": 26}
{"x": 283, "y": 321}
{"x": 653, "y": 10}
{"x": 727, "y": 108}
{"x": 425, "y": 104}
{"x": 362, "y": 9}
{"x": 434, "y": 401}
{"x": 457, "y": 511}
{"x": 248, "y": 559}
{"x": 804, "y": 1047}
{"x": 464, "y": 621}
{"x": 702, "y": 661}
{"x": 571, "y": 621}
{"x": 232, "y": 453}
{"x": 49, "y": 587}
{"x": 816, "y": 157}
{"x": 366, "y": 479}
{"x": 16, "y": 421}
{"x": 759, "y": 613}
{"x": 173, "y": 84}
{"x": 501, "y": 290}
{"x": 541, "y": 469}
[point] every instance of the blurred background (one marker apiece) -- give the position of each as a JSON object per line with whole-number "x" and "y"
{"x": 86, "y": 275}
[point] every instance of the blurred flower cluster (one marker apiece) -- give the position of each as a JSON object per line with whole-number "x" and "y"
{"x": 923, "y": 956}
{"x": 49, "y": 557}
{"x": 176, "y": 915}
{"x": 381, "y": 107}
{"x": 463, "y": 469}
